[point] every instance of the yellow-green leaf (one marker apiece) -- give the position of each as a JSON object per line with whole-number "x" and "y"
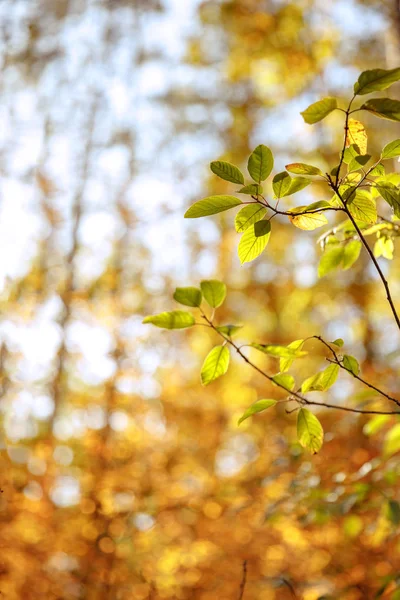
{"x": 254, "y": 241}
{"x": 175, "y": 319}
{"x": 297, "y": 184}
{"x": 375, "y": 80}
{"x": 307, "y": 221}
{"x": 362, "y": 207}
{"x": 392, "y": 441}
{"x": 257, "y": 407}
{"x": 189, "y": 296}
{"x": 351, "y": 364}
{"x": 385, "y": 108}
{"x": 391, "y": 150}
{"x": 286, "y": 362}
{"x": 279, "y": 351}
{"x": 285, "y": 380}
{"x": 303, "y": 169}
{"x": 211, "y": 206}
{"x": 330, "y": 260}
{"x": 226, "y": 171}
{"x": 214, "y": 292}
{"x": 260, "y": 163}
{"x": 309, "y": 431}
{"x": 351, "y": 252}
{"x": 319, "y": 110}
{"x": 215, "y": 364}
{"x": 281, "y": 184}
{"x": 248, "y": 215}
{"x": 322, "y": 381}
{"x": 356, "y": 134}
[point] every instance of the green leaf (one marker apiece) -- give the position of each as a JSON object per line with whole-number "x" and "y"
{"x": 248, "y": 215}
{"x": 226, "y": 171}
{"x": 303, "y": 169}
{"x": 375, "y": 424}
{"x": 309, "y": 431}
{"x": 252, "y": 190}
{"x": 385, "y": 108}
{"x": 215, "y": 364}
{"x": 189, "y": 296}
{"x": 254, "y": 241}
{"x": 279, "y": 351}
{"x": 309, "y": 221}
{"x": 321, "y": 381}
{"x": 281, "y": 184}
{"x": 176, "y": 319}
{"x": 330, "y": 260}
{"x": 351, "y": 252}
{"x": 351, "y": 364}
{"x": 391, "y": 194}
{"x": 319, "y": 110}
{"x": 351, "y": 152}
{"x": 228, "y": 330}
{"x": 286, "y": 362}
{"x": 358, "y": 162}
{"x": 393, "y": 512}
{"x": 260, "y": 163}
{"x": 297, "y": 184}
{"x": 392, "y": 441}
{"x": 257, "y": 407}
{"x": 214, "y": 292}
{"x": 362, "y": 207}
{"x": 285, "y": 380}
{"x": 378, "y": 171}
{"x": 391, "y": 150}
{"x": 375, "y": 80}
{"x": 211, "y": 206}
{"x": 338, "y": 342}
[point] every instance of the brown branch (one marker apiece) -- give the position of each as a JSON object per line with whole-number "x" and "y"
{"x": 244, "y": 579}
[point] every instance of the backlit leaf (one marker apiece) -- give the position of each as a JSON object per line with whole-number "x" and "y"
{"x": 319, "y": 110}
{"x": 215, "y": 364}
{"x": 176, "y": 319}
{"x": 362, "y": 207}
{"x": 228, "y": 330}
{"x": 214, "y": 292}
{"x": 322, "y": 381}
{"x": 257, "y": 407}
{"x": 309, "y": 221}
{"x": 284, "y": 379}
{"x": 351, "y": 364}
{"x": 189, "y": 296}
{"x": 376, "y": 80}
{"x": 330, "y": 260}
{"x": 309, "y": 431}
{"x": 254, "y": 241}
{"x": 211, "y": 206}
{"x": 279, "y": 351}
{"x": 260, "y": 163}
{"x": 391, "y": 194}
{"x": 391, "y": 150}
{"x": 385, "y": 108}
{"x": 286, "y": 362}
{"x": 356, "y": 134}
{"x": 248, "y": 215}
{"x": 391, "y": 443}
{"x": 303, "y": 169}
{"x": 281, "y": 184}
{"x": 351, "y": 252}
{"x": 253, "y": 189}
{"x": 226, "y": 171}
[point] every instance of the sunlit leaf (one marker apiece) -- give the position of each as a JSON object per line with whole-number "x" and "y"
{"x": 284, "y": 379}
{"x": 281, "y": 184}
{"x": 351, "y": 364}
{"x": 254, "y": 241}
{"x": 176, "y": 319}
{"x": 362, "y": 207}
{"x": 279, "y": 351}
{"x": 322, "y": 381}
{"x": 211, "y": 206}
{"x": 189, "y": 296}
{"x": 303, "y": 169}
{"x": 296, "y": 185}
{"x": 286, "y": 362}
{"x": 253, "y": 189}
{"x": 215, "y": 364}
{"x": 375, "y": 424}
{"x": 257, "y": 407}
{"x": 214, "y": 292}
{"x": 356, "y": 134}
{"x": 358, "y": 162}
{"x": 338, "y": 342}
{"x": 391, "y": 194}
{"x": 391, "y": 150}
{"x": 260, "y": 163}
{"x": 384, "y": 247}
{"x": 226, "y": 171}
{"x": 351, "y": 252}
{"x": 309, "y": 431}
{"x": 248, "y": 215}
{"x": 319, "y": 110}
{"x": 351, "y": 152}
{"x": 385, "y": 108}
{"x": 375, "y": 80}
{"x": 308, "y": 221}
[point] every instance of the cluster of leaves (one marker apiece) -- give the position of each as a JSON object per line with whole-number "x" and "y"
{"x": 356, "y": 186}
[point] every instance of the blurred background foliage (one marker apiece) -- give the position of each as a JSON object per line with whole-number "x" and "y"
{"x": 122, "y": 478}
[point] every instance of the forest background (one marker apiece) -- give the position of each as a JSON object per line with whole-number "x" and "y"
{"x": 122, "y": 478}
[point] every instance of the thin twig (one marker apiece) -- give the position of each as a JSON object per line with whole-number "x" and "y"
{"x": 244, "y": 579}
